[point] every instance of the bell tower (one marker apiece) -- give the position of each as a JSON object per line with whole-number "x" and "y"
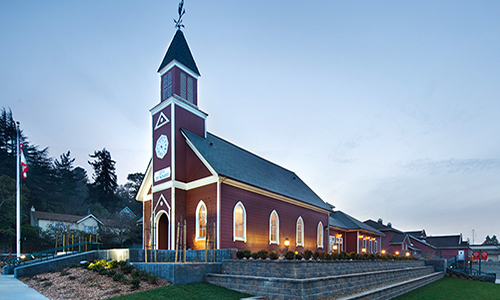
{"x": 178, "y": 109}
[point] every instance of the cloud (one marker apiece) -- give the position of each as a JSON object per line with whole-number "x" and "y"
{"x": 453, "y": 165}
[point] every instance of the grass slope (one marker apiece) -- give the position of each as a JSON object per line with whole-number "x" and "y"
{"x": 189, "y": 291}
{"x": 456, "y": 289}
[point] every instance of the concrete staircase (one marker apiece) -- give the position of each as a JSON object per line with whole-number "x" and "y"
{"x": 324, "y": 279}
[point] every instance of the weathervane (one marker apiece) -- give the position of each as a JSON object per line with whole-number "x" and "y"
{"x": 182, "y": 11}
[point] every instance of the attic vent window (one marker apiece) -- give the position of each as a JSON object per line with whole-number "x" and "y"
{"x": 167, "y": 85}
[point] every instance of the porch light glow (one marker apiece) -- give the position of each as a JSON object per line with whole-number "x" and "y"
{"x": 408, "y": 254}
{"x": 287, "y": 242}
{"x": 363, "y": 250}
{"x": 397, "y": 253}
{"x": 383, "y": 251}
{"x": 360, "y": 236}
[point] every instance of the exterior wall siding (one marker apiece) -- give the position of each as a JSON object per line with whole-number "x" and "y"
{"x": 207, "y": 194}
{"x": 258, "y": 209}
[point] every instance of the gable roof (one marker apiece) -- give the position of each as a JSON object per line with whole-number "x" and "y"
{"x": 342, "y": 220}
{"x": 380, "y": 226}
{"x": 237, "y": 163}
{"x": 40, "y": 215}
{"x": 447, "y": 241}
{"x": 179, "y": 50}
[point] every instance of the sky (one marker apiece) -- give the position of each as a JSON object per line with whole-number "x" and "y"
{"x": 386, "y": 109}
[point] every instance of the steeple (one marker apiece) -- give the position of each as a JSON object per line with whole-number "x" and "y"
{"x": 179, "y": 51}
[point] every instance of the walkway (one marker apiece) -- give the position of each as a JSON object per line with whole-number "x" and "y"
{"x": 13, "y": 289}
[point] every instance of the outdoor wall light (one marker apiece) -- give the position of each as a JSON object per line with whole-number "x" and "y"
{"x": 335, "y": 247}
{"x": 397, "y": 253}
{"x": 408, "y": 254}
{"x": 360, "y": 236}
{"x": 286, "y": 243}
{"x": 363, "y": 250}
{"x": 383, "y": 251}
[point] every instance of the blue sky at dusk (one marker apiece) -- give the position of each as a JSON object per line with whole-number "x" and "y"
{"x": 387, "y": 109}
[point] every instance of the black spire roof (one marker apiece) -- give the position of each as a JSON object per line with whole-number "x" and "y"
{"x": 179, "y": 50}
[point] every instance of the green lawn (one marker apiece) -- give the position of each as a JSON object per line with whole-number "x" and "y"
{"x": 191, "y": 291}
{"x": 456, "y": 289}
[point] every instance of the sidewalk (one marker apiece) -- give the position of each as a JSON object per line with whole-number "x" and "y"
{"x": 13, "y": 289}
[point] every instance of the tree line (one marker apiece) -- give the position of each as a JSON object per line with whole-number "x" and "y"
{"x": 56, "y": 184}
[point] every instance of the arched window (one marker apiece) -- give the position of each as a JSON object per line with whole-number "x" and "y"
{"x": 320, "y": 235}
{"x": 201, "y": 221}
{"x": 239, "y": 223}
{"x": 300, "y": 232}
{"x": 274, "y": 228}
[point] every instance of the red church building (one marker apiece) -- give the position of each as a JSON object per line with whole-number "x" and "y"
{"x": 221, "y": 191}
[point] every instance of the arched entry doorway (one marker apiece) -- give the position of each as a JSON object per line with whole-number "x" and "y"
{"x": 163, "y": 231}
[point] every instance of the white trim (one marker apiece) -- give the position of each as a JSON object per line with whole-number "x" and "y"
{"x": 158, "y": 125}
{"x": 218, "y": 212}
{"x": 157, "y": 219}
{"x": 198, "y": 154}
{"x": 318, "y": 232}
{"x": 182, "y": 103}
{"x": 277, "y": 240}
{"x": 244, "y": 229}
{"x": 160, "y": 199}
{"x": 185, "y": 186}
{"x": 181, "y": 66}
{"x": 146, "y": 183}
{"x": 197, "y": 221}
{"x": 172, "y": 164}
{"x": 301, "y": 244}
{"x": 87, "y": 217}
{"x": 273, "y": 195}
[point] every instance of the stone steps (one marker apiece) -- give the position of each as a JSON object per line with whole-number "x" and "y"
{"x": 369, "y": 283}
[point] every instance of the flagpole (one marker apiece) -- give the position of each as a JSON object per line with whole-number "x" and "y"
{"x": 18, "y": 194}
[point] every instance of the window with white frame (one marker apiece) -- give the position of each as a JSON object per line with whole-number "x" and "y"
{"x": 201, "y": 221}
{"x": 300, "y": 232}
{"x": 320, "y": 235}
{"x": 274, "y": 228}
{"x": 167, "y": 85}
{"x": 239, "y": 223}
{"x": 371, "y": 246}
{"x": 376, "y": 246}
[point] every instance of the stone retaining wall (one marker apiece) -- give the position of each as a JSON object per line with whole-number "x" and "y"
{"x": 180, "y": 273}
{"x": 300, "y": 269}
{"x": 137, "y": 255}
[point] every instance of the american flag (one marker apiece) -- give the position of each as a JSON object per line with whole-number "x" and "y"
{"x": 24, "y": 163}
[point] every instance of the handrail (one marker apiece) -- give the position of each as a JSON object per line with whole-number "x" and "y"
{"x": 51, "y": 253}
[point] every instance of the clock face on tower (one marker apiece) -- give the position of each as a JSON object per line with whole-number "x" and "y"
{"x": 161, "y": 147}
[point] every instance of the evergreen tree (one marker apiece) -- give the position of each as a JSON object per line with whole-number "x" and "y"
{"x": 491, "y": 241}
{"x": 127, "y": 192}
{"x": 71, "y": 189}
{"x": 103, "y": 189}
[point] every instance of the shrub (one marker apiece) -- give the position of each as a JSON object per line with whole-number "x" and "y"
{"x": 127, "y": 268}
{"x": 316, "y": 255}
{"x": 290, "y": 255}
{"x": 255, "y": 255}
{"x": 240, "y": 254}
{"x": 118, "y": 276}
{"x": 353, "y": 255}
{"x": 299, "y": 256}
{"x": 96, "y": 264}
{"x": 263, "y": 254}
{"x": 152, "y": 279}
{"x": 247, "y": 253}
{"x": 135, "y": 282}
{"x": 64, "y": 273}
{"x": 122, "y": 263}
{"x": 112, "y": 264}
{"x": 274, "y": 255}
{"x": 328, "y": 256}
{"x": 308, "y": 254}
{"x": 335, "y": 256}
{"x": 344, "y": 256}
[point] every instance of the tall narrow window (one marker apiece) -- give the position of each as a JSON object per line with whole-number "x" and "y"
{"x": 376, "y": 247}
{"x": 274, "y": 227}
{"x": 320, "y": 235}
{"x": 167, "y": 85}
{"x": 201, "y": 221}
{"x": 183, "y": 86}
{"x": 300, "y": 232}
{"x": 239, "y": 222}
{"x": 190, "y": 90}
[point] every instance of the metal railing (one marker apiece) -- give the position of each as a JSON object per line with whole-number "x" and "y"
{"x": 52, "y": 253}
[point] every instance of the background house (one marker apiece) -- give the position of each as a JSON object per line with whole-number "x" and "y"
{"x": 351, "y": 235}
{"x": 62, "y": 222}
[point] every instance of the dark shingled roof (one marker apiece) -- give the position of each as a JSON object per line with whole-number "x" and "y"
{"x": 344, "y": 221}
{"x": 446, "y": 241}
{"x": 57, "y": 217}
{"x": 179, "y": 50}
{"x": 234, "y": 162}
